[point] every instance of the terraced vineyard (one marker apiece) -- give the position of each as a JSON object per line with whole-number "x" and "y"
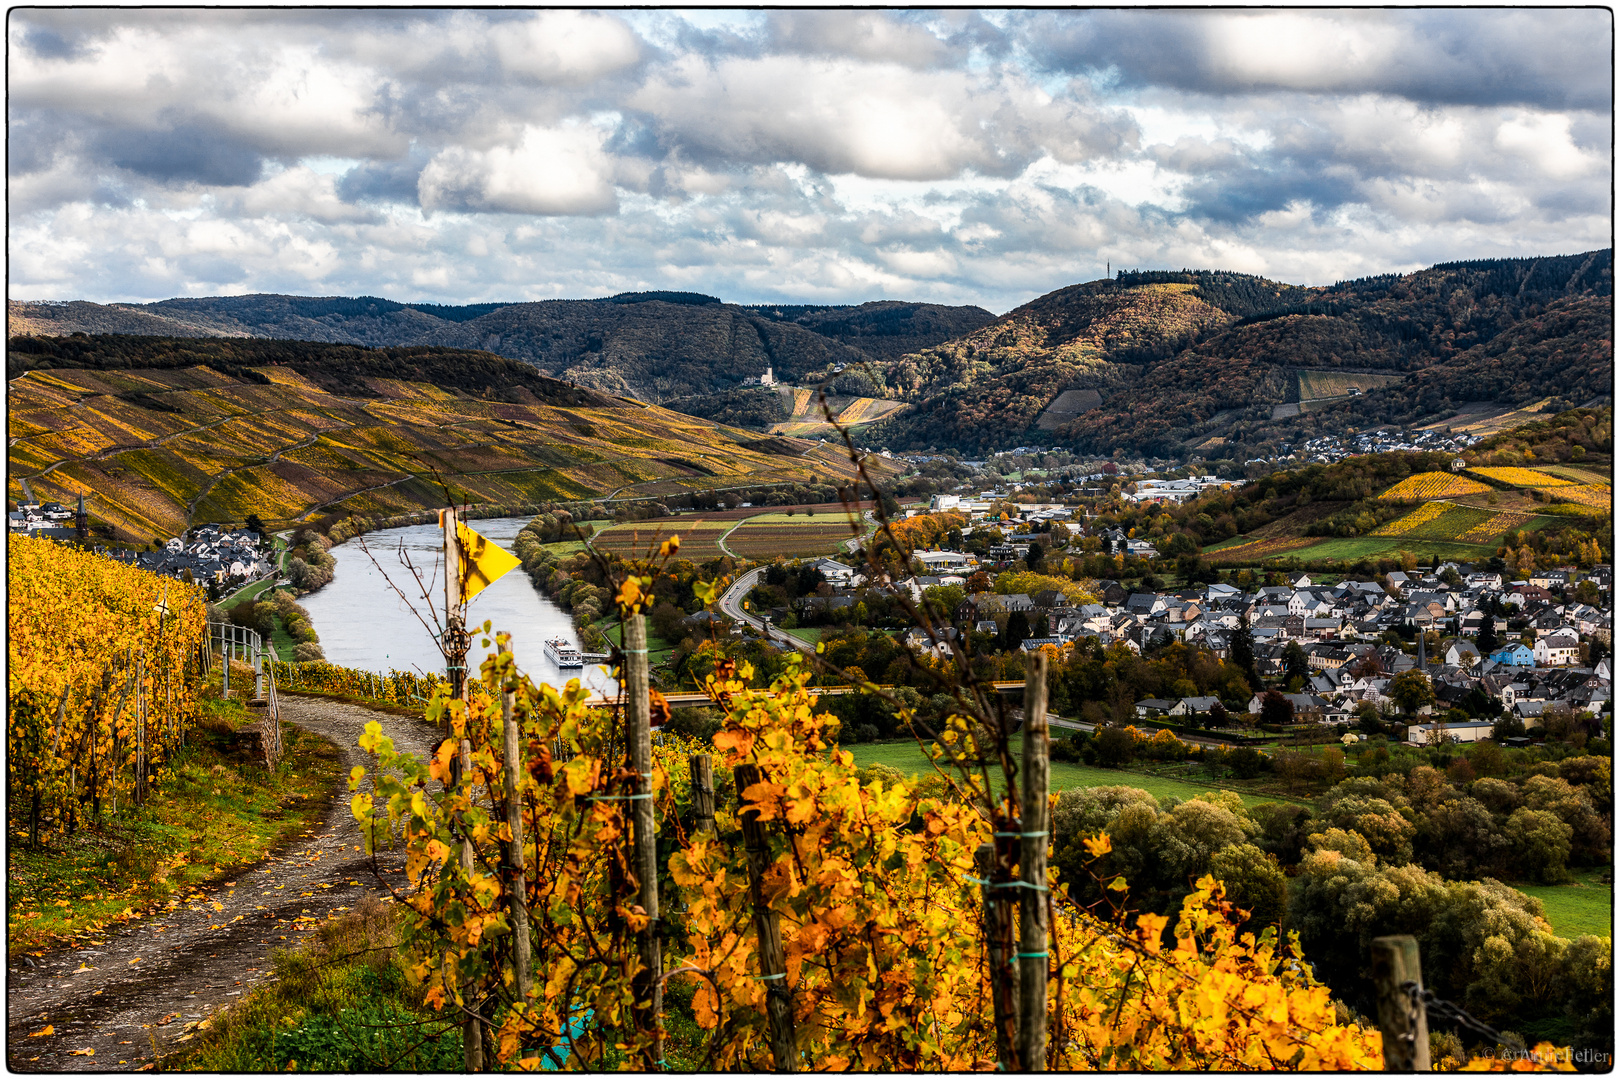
{"x": 1432, "y": 485}
{"x": 807, "y": 420}
{"x": 159, "y": 449}
{"x": 1517, "y": 477}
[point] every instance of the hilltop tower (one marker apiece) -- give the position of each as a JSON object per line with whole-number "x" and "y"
{"x": 767, "y": 379}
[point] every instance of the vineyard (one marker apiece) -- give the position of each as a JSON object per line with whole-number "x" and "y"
{"x": 1599, "y": 498}
{"x": 770, "y": 535}
{"x": 406, "y": 688}
{"x": 845, "y": 935}
{"x": 1433, "y": 485}
{"x": 1498, "y": 524}
{"x": 1517, "y": 477}
{"x": 700, "y": 537}
{"x": 1438, "y": 521}
{"x": 1257, "y": 550}
{"x": 103, "y": 671}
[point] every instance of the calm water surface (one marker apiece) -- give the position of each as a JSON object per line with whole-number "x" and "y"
{"x": 364, "y": 624}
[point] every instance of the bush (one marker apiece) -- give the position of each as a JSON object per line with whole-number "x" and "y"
{"x": 308, "y": 650}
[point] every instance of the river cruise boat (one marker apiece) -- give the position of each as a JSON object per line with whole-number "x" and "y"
{"x": 562, "y": 654}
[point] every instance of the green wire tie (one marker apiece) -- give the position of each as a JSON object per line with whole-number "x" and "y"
{"x": 1043, "y": 832}
{"x": 1030, "y": 955}
{"x": 1004, "y": 884}
{"x": 634, "y": 652}
{"x": 778, "y": 975}
{"x": 602, "y": 798}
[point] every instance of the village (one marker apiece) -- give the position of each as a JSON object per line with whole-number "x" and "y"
{"x": 1491, "y": 647}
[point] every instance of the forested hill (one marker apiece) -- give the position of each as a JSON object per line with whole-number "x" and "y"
{"x": 1197, "y": 362}
{"x": 655, "y": 346}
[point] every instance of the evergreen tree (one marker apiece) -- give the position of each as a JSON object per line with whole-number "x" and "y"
{"x": 1487, "y": 638}
{"x": 1242, "y": 653}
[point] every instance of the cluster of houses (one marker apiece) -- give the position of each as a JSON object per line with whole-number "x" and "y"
{"x": 1342, "y": 629}
{"x": 1176, "y": 491}
{"x": 47, "y": 519}
{"x": 1330, "y": 448}
{"x": 212, "y": 555}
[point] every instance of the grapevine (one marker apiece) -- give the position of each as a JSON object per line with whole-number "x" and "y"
{"x": 102, "y": 677}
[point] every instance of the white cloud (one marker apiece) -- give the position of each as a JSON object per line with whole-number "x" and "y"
{"x": 566, "y": 47}
{"x": 545, "y": 171}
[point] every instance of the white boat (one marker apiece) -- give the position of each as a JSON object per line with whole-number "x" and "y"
{"x": 564, "y": 655}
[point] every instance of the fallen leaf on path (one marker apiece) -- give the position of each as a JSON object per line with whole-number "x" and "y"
{"x": 48, "y": 1029}
{"x": 136, "y": 960}
{"x": 88, "y": 1051}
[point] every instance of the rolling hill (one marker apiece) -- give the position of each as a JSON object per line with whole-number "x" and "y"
{"x": 161, "y": 433}
{"x": 1176, "y": 363}
{"x": 654, "y": 347}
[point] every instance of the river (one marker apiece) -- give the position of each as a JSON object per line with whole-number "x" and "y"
{"x": 364, "y": 624}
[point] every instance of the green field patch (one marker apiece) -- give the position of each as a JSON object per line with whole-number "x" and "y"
{"x": 1359, "y": 547}
{"x": 1580, "y": 476}
{"x": 910, "y": 761}
{"x": 1584, "y": 906}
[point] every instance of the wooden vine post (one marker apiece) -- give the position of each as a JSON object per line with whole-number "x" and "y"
{"x": 772, "y": 959}
{"x": 702, "y": 793}
{"x": 454, "y": 645}
{"x": 1035, "y": 779}
{"x": 517, "y": 884}
{"x": 638, "y": 737}
{"x": 1404, "y": 1022}
{"x": 999, "y": 949}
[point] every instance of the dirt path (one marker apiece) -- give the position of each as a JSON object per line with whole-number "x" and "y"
{"x": 197, "y": 959}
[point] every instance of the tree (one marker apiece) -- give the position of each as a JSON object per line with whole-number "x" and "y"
{"x": 1017, "y": 630}
{"x": 1114, "y": 747}
{"x": 1540, "y": 845}
{"x": 1275, "y": 709}
{"x": 1035, "y": 556}
{"x": 255, "y": 524}
{"x": 1411, "y": 691}
{"x": 1486, "y": 641}
{"x": 1296, "y": 665}
{"x": 1254, "y": 882}
{"x": 1242, "y": 652}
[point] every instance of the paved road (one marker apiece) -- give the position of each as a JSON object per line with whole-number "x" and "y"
{"x": 731, "y": 607}
{"x": 156, "y": 978}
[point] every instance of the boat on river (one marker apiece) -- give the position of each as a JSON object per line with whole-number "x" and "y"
{"x": 561, "y": 653}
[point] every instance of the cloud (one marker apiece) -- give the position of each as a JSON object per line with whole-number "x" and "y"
{"x": 567, "y": 47}
{"x": 545, "y": 171}
{"x": 833, "y": 155}
{"x": 1551, "y": 58}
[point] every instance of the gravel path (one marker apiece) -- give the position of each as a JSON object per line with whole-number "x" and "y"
{"x": 157, "y": 978}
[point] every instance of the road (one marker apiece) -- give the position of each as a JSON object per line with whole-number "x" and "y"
{"x": 731, "y": 607}
{"x": 145, "y": 986}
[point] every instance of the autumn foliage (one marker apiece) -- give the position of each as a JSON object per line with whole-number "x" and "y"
{"x": 101, "y": 668}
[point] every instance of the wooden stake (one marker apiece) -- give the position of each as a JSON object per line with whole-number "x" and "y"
{"x": 1033, "y": 937}
{"x": 638, "y": 737}
{"x": 517, "y": 887}
{"x": 1404, "y": 1022}
{"x": 772, "y": 959}
{"x": 454, "y": 645}
{"x": 999, "y": 947}
{"x": 702, "y": 793}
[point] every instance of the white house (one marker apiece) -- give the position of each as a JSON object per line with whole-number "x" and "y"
{"x": 1557, "y": 650}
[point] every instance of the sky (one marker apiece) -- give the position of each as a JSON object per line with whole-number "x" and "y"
{"x": 960, "y": 156}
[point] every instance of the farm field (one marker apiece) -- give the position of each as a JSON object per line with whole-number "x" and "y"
{"x": 1517, "y": 477}
{"x": 909, "y": 760}
{"x": 1432, "y": 485}
{"x": 700, "y": 537}
{"x": 790, "y": 541}
{"x": 1584, "y": 906}
{"x": 1437, "y": 521}
{"x": 807, "y": 420}
{"x": 1600, "y": 498}
{"x": 1334, "y": 384}
{"x": 1357, "y": 547}
{"x": 1579, "y": 475}
{"x": 1238, "y": 550}
{"x": 1495, "y": 526}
